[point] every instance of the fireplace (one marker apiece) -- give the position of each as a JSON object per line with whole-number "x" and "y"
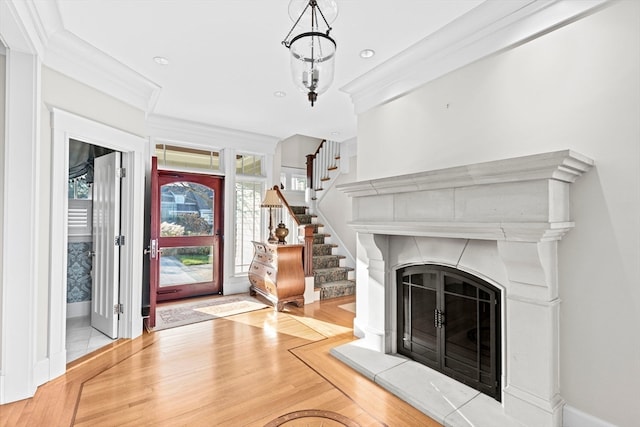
{"x": 494, "y": 226}
{"x": 450, "y": 321}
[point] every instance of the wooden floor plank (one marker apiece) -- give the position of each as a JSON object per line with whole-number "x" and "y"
{"x": 243, "y": 370}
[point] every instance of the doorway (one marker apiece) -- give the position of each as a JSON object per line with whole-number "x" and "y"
{"x": 66, "y": 126}
{"x": 185, "y": 250}
{"x": 93, "y": 255}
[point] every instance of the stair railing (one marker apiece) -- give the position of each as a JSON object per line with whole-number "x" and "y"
{"x": 319, "y": 164}
{"x": 298, "y": 233}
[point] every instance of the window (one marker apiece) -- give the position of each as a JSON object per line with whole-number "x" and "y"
{"x": 248, "y": 222}
{"x": 298, "y": 182}
{"x": 79, "y": 188}
{"x": 170, "y": 156}
{"x": 247, "y": 164}
{"x": 79, "y": 219}
{"x": 293, "y": 179}
{"x": 79, "y": 213}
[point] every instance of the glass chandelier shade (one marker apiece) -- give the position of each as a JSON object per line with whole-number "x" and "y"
{"x": 312, "y": 50}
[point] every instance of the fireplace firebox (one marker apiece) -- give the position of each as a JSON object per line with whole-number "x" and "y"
{"x": 450, "y": 321}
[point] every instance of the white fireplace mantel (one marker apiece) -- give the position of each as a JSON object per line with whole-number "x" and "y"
{"x": 497, "y": 220}
{"x": 519, "y": 199}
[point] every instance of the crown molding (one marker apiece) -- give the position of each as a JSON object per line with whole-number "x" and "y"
{"x": 169, "y": 129}
{"x": 66, "y": 53}
{"x": 81, "y": 61}
{"x": 20, "y": 28}
{"x": 492, "y": 27}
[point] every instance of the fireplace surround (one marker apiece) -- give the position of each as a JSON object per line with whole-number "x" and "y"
{"x": 499, "y": 221}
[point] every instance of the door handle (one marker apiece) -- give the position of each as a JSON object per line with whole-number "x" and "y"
{"x": 152, "y": 249}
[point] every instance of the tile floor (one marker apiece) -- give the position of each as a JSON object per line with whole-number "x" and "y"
{"x": 82, "y": 338}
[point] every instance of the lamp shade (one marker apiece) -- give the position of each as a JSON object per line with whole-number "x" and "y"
{"x": 313, "y": 61}
{"x": 271, "y": 200}
{"x": 312, "y": 49}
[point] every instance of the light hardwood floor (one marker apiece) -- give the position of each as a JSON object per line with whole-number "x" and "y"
{"x": 243, "y": 370}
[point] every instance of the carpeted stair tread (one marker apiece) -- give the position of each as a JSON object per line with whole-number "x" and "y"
{"x": 336, "y": 289}
{"x": 299, "y": 210}
{"x": 333, "y": 274}
{"x": 305, "y": 218}
{"x": 318, "y": 238}
{"x": 323, "y": 249}
{"x": 326, "y": 261}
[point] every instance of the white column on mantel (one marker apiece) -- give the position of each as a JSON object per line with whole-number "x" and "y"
{"x": 532, "y": 391}
{"x": 371, "y": 288}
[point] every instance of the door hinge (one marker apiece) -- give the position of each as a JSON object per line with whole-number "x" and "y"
{"x": 121, "y": 172}
{"x": 118, "y": 309}
{"x": 119, "y": 240}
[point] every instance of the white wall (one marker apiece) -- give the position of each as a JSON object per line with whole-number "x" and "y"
{"x": 578, "y": 88}
{"x": 3, "y": 76}
{"x": 335, "y": 206}
{"x": 68, "y": 94}
{"x": 295, "y": 149}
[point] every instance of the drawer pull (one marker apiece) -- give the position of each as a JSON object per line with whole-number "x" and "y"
{"x": 269, "y": 273}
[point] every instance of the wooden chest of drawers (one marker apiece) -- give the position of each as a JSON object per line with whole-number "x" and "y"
{"x": 276, "y": 272}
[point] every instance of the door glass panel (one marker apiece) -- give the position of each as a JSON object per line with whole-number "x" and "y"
{"x": 458, "y": 286}
{"x": 484, "y": 336}
{"x": 186, "y": 209}
{"x": 186, "y": 265}
{"x": 423, "y": 330}
{"x": 462, "y": 329}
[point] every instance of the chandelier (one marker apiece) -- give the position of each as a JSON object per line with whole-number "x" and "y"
{"x": 312, "y": 50}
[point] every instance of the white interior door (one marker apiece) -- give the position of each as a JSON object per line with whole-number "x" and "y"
{"x": 106, "y": 247}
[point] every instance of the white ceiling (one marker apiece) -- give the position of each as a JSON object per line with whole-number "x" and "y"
{"x": 227, "y": 60}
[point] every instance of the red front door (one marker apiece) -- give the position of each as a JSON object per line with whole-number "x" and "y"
{"x": 186, "y": 235}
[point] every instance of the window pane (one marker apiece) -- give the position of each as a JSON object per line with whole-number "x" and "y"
{"x": 298, "y": 182}
{"x": 248, "y": 165}
{"x": 186, "y": 265}
{"x": 186, "y": 209}
{"x": 248, "y": 220}
{"x": 181, "y": 157}
{"x": 79, "y": 188}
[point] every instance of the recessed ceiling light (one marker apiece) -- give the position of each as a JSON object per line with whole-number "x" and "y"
{"x": 279, "y": 94}
{"x": 161, "y": 60}
{"x": 367, "y": 53}
{"x": 335, "y": 133}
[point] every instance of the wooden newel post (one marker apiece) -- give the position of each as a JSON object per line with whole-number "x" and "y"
{"x": 307, "y": 252}
{"x": 310, "y": 158}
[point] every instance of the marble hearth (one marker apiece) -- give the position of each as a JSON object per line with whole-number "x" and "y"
{"x": 500, "y": 221}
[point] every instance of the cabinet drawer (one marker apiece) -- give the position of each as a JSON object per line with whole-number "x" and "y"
{"x": 265, "y": 258}
{"x": 260, "y": 247}
{"x": 266, "y": 272}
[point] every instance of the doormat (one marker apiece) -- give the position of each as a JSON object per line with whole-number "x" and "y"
{"x": 170, "y": 316}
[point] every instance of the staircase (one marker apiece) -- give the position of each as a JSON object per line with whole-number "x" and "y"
{"x": 330, "y": 278}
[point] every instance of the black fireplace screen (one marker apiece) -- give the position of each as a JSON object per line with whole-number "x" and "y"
{"x": 450, "y": 321}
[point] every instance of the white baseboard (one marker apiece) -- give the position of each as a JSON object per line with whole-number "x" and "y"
{"x": 572, "y": 417}
{"x": 77, "y": 309}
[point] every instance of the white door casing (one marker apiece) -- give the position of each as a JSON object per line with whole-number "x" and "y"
{"x": 106, "y": 251}
{"x": 134, "y": 150}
